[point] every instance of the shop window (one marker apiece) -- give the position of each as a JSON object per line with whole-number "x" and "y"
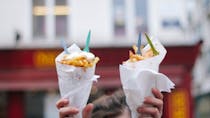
{"x": 34, "y": 104}
{"x": 202, "y": 106}
{"x": 50, "y": 110}
{"x": 38, "y": 19}
{"x": 141, "y": 15}
{"x": 119, "y": 17}
{"x": 61, "y": 16}
{"x": 3, "y": 105}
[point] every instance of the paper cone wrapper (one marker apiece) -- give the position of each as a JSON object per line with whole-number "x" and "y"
{"x": 75, "y": 82}
{"x": 140, "y": 77}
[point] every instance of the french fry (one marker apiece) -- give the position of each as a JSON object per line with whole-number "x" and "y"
{"x": 133, "y": 56}
{"x": 80, "y": 61}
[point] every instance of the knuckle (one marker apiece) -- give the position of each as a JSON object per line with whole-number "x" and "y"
{"x": 161, "y": 96}
{"x": 156, "y": 111}
{"x": 161, "y": 103}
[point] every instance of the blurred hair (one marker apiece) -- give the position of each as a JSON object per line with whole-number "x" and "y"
{"x": 110, "y": 106}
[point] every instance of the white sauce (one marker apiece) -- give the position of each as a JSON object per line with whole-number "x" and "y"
{"x": 87, "y": 55}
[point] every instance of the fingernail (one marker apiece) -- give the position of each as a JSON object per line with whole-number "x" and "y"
{"x": 155, "y": 89}
{"x": 65, "y": 100}
{"x": 146, "y": 98}
{"x": 76, "y": 109}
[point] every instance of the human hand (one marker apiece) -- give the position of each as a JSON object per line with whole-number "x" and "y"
{"x": 152, "y": 106}
{"x": 69, "y": 111}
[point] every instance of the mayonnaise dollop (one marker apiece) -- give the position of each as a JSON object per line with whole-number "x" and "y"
{"x": 73, "y": 55}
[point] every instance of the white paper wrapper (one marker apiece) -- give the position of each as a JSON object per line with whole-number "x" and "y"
{"x": 75, "y": 82}
{"x": 138, "y": 78}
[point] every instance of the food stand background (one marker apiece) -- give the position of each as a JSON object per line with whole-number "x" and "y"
{"x": 30, "y": 41}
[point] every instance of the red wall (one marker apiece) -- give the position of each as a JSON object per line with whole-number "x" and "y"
{"x": 34, "y": 69}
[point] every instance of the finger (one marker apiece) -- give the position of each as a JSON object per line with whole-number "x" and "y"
{"x": 87, "y": 111}
{"x": 145, "y": 116}
{"x": 154, "y": 102}
{"x": 149, "y": 111}
{"x": 61, "y": 103}
{"x": 67, "y": 111}
{"x": 157, "y": 93}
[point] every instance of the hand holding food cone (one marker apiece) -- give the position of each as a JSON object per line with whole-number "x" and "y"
{"x": 139, "y": 74}
{"x": 76, "y": 73}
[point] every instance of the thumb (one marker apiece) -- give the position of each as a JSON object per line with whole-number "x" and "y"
{"x": 87, "y": 111}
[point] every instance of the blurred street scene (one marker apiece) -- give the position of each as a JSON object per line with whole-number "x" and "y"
{"x": 31, "y": 30}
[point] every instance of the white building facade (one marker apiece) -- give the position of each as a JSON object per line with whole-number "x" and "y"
{"x": 41, "y": 23}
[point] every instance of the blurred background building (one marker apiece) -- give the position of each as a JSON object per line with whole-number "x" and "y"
{"x": 30, "y": 36}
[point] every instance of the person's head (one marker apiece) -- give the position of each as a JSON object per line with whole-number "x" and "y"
{"x": 113, "y": 106}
